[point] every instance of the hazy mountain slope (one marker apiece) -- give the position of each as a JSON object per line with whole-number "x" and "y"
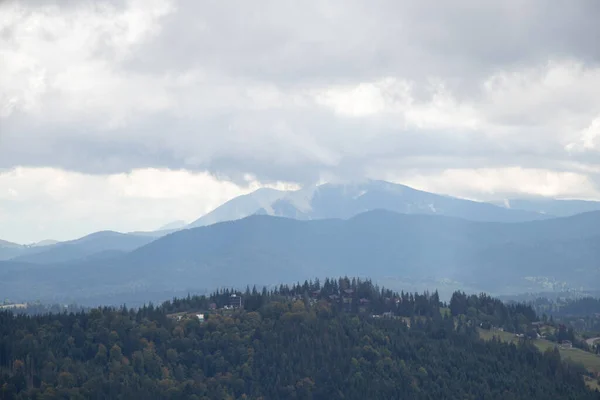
{"x": 7, "y": 244}
{"x": 559, "y": 208}
{"x": 86, "y": 246}
{"x": 9, "y": 250}
{"x": 153, "y": 234}
{"x": 173, "y": 226}
{"x": 347, "y": 200}
{"x": 240, "y": 207}
{"x": 431, "y": 251}
{"x": 47, "y": 242}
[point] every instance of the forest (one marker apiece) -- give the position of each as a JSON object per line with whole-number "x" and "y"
{"x": 338, "y": 339}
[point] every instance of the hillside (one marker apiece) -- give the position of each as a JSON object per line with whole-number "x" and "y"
{"x": 347, "y": 200}
{"x": 240, "y": 207}
{"x": 9, "y": 250}
{"x": 7, "y": 244}
{"x": 409, "y": 250}
{"x": 286, "y": 343}
{"x": 99, "y": 242}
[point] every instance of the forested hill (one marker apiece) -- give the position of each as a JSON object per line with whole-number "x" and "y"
{"x": 420, "y": 250}
{"x": 308, "y": 341}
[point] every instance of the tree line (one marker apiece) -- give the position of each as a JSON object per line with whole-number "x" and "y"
{"x": 316, "y": 340}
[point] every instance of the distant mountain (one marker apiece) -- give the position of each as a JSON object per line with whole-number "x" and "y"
{"x": 84, "y": 247}
{"x": 405, "y": 251}
{"x": 153, "y": 234}
{"x": 559, "y": 208}
{"x": 240, "y": 207}
{"x": 173, "y": 226}
{"x": 9, "y": 250}
{"x": 347, "y": 200}
{"x": 7, "y": 244}
{"x": 47, "y": 242}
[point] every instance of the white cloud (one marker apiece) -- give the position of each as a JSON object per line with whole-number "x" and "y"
{"x": 495, "y": 183}
{"x": 589, "y": 138}
{"x": 140, "y": 97}
{"x": 42, "y": 203}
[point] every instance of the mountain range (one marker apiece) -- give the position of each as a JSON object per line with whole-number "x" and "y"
{"x": 405, "y": 251}
{"x": 94, "y": 244}
{"x": 402, "y": 236}
{"x": 347, "y": 200}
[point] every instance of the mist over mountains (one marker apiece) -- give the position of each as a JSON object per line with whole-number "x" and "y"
{"x": 397, "y": 235}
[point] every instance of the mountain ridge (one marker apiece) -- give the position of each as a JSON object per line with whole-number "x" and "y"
{"x": 332, "y": 200}
{"x": 414, "y": 250}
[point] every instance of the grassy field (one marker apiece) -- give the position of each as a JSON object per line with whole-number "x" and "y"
{"x": 589, "y": 360}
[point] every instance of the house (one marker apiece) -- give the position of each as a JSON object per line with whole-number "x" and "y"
{"x": 13, "y": 306}
{"x": 235, "y": 301}
{"x": 566, "y": 344}
{"x": 212, "y": 306}
{"x": 200, "y": 317}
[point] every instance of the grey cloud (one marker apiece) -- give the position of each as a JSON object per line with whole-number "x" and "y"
{"x": 304, "y": 45}
{"x": 289, "y": 41}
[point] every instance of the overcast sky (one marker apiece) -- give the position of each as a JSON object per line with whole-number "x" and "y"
{"x": 127, "y": 115}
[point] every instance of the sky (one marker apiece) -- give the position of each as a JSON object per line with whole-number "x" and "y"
{"x": 130, "y": 114}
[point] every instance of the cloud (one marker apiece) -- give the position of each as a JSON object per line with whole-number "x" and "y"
{"x": 494, "y": 183}
{"x": 33, "y": 201}
{"x": 296, "y": 92}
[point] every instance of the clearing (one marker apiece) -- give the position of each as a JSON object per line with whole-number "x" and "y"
{"x": 589, "y": 360}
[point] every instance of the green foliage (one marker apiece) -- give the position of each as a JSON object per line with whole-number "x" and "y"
{"x": 290, "y": 343}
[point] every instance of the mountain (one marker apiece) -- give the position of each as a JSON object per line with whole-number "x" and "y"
{"x": 84, "y": 247}
{"x": 9, "y": 250}
{"x": 347, "y": 200}
{"x": 6, "y": 244}
{"x": 173, "y": 226}
{"x": 405, "y": 251}
{"x": 559, "y": 208}
{"x": 153, "y": 234}
{"x": 47, "y": 242}
{"x": 240, "y": 207}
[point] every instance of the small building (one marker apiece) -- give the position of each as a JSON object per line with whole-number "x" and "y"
{"x": 212, "y": 306}
{"x": 566, "y": 344}
{"x": 200, "y": 317}
{"x": 13, "y": 306}
{"x": 235, "y": 301}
